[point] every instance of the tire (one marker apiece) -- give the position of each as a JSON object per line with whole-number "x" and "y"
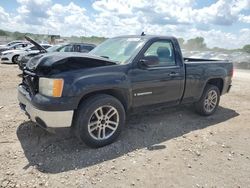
{"x": 209, "y": 101}
{"x": 89, "y": 123}
{"x": 20, "y": 66}
{"x": 14, "y": 59}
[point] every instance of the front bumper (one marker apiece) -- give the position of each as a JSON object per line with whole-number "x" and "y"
{"x": 5, "y": 59}
{"x": 43, "y": 118}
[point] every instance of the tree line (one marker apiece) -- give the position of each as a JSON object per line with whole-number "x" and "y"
{"x": 197, "y": 43}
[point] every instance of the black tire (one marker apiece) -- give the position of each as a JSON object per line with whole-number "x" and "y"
{"x": 201, "y": 107}
{"x": 86, "y": 112}
{"x": 14, "y": 59}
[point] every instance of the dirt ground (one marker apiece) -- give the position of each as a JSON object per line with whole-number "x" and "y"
{"x": 163, "y": 148}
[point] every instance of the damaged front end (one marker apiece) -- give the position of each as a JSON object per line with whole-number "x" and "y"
{"x": 53, "y": 63}
{"x": 52, "y": 110}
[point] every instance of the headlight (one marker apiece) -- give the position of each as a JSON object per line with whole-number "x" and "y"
{"x": 51, "y": 87}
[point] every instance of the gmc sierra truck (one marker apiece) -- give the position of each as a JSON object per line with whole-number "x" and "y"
{"x": 93, "y": 92}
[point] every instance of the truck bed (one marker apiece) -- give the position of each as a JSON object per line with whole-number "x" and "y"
{"x": 199, "y": 71}
{"x": 192, "y": 60}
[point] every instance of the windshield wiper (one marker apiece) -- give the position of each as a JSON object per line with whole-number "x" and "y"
{"x": 107, "y": 57}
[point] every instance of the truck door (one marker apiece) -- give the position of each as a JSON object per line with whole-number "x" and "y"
{"x": 159, "y": 83}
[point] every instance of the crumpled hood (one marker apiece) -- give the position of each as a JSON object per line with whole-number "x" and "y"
{"x": 57, "y": 62}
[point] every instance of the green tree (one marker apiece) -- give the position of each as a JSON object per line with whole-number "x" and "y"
{"x": 3, "y": 33}
{"x": 246, "y": 48}
{"x": 197, "y": 43}
{"x": 181, "y": 42}
{"x": 18, "y": 36}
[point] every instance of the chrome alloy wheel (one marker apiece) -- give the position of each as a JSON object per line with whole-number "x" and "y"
{"x": 211, "y": 101}
{"x": 103, "y": 122}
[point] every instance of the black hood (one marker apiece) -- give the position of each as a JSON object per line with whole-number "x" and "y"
{"x": 39, "y": 47}
{"x": 51, "y": 63}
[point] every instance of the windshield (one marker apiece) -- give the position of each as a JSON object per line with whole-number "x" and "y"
{"x": 53, "y": 48}
{"x": 118, "y": 49}
{"x": 66, "y": 48}
{"x": 18, "y": 46}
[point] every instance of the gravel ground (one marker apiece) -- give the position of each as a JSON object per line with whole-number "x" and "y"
{"x": 162, "y": 148}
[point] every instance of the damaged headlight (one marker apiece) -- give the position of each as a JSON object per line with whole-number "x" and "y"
{"x": 51, "y": 87}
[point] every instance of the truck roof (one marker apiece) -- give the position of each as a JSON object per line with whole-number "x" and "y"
{"x": 148, "y": 37}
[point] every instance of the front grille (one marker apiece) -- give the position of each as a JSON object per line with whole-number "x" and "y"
{"x": 30, "y": 82}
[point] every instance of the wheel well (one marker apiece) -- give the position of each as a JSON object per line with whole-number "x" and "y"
{"x": 14, "y": 56}
{"x": 113, "y": 92}
{"x": 216, "y": 82}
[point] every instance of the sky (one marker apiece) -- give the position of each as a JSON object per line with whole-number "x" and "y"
{"x": 222, "y": 23}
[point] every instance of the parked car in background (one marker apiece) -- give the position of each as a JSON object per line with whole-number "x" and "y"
{"x": 68, "y": 47}
{"x": 11, "y": 43}
{"x": 72, "y": 47}
{"x": 203, "y": 55}
{"x": 11, "y": 56}
{"x": 76, "y": 47}
{"x": 14, "y": 46}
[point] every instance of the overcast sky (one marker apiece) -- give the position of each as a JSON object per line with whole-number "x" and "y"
{"x": 223, "y": 23}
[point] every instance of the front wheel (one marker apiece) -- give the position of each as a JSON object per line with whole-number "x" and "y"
{"x": 99, "y": 120}
{"x": 15, "y": 59}
{"x": 209, "y": 101}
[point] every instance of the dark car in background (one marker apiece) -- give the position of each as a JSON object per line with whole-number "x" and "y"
{"x": 68, "y": 47}
{"x": 76, "y": 47}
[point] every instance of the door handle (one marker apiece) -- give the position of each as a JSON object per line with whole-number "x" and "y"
{"x": 174, "y": 74}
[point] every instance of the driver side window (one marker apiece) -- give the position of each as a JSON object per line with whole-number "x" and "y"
{"x": 163, "y": 50}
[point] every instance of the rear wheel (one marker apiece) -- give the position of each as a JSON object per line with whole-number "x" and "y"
{"x": 99, "y": 120}
{"x": 15, "y": 59}
{"x": 209, "y": 101}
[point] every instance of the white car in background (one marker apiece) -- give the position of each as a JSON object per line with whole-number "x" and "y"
{"x": 15, "y": 46}
{"x": 12, "y": 43}
{"x": 11, "y": 56}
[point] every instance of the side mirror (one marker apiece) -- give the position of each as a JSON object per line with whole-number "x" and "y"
{"x": 149, "y": 61}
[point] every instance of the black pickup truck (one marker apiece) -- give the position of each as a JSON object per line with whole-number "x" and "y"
{"x": 92, "y": 93}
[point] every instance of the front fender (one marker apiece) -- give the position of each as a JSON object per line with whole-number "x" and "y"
{"x": 87, "y": 84}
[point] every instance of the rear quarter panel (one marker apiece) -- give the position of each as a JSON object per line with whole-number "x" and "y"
{"x": 199, "y": 73}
